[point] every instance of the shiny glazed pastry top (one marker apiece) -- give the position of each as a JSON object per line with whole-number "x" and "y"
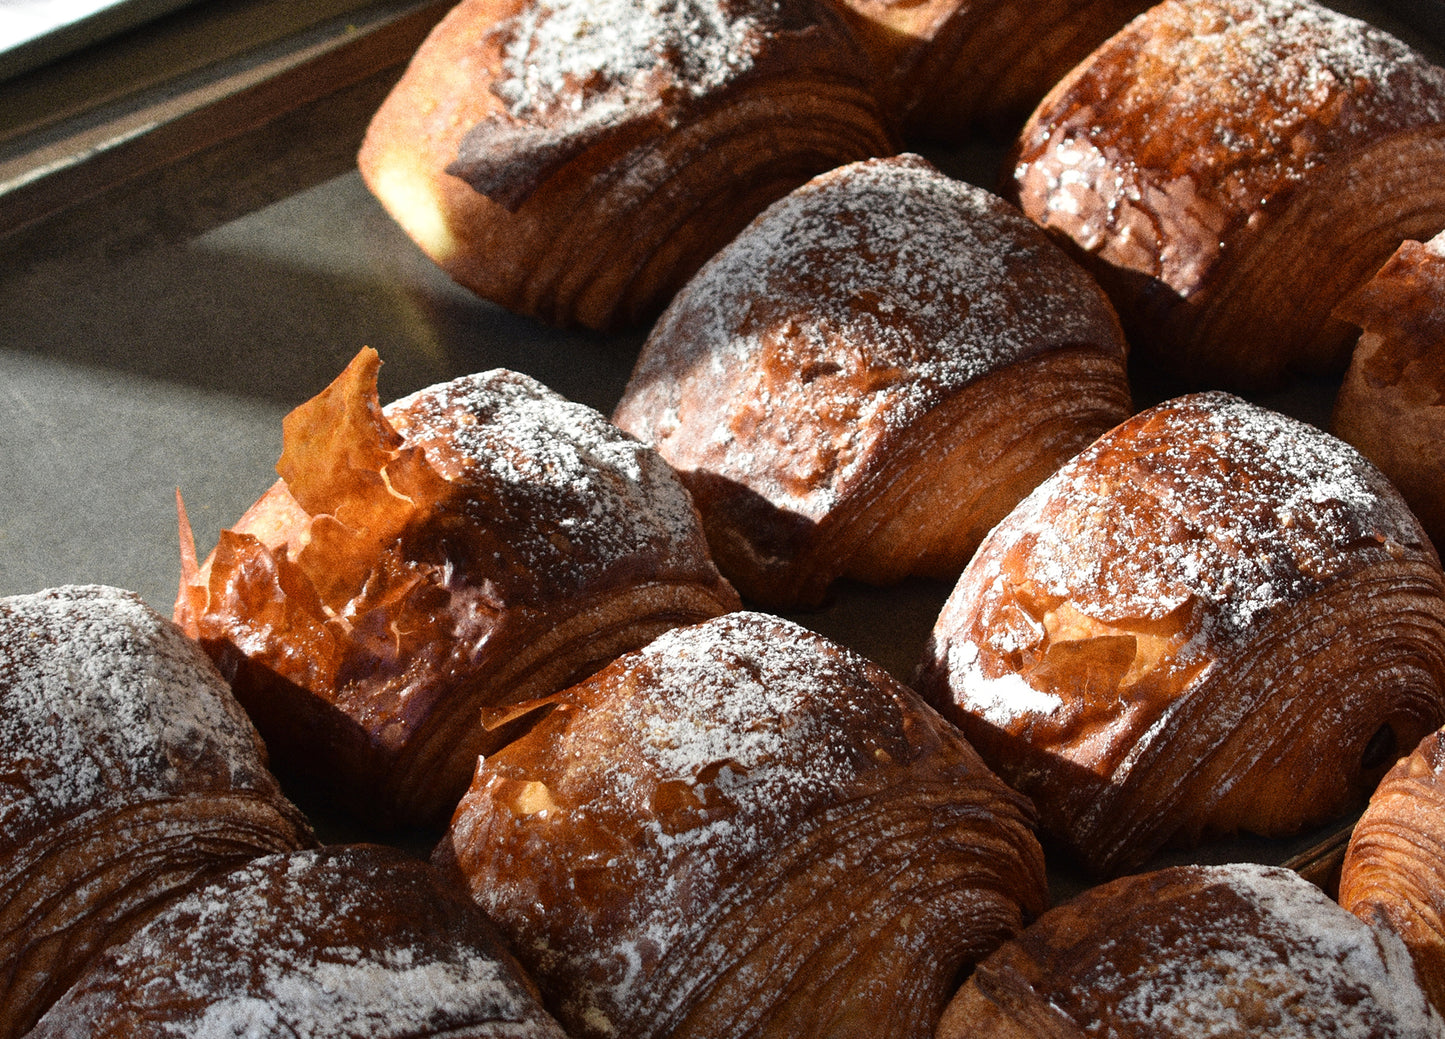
{"x": 744, "y": 829}
{"x": 1215, "y": 619}
{"x": 870, "y": 375}
{"x": 422, "y": 570}
{"x": 1230, "y": 170}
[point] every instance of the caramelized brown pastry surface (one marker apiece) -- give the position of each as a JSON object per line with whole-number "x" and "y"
{"x": 1394, "y": 869}
{"x": 577, "y": 160}
{"x": 421, "y": 570}
{"x": 1392, "y": 402}
{"x": 870, "y": 376}
{"x": 745, "y": 830}
{"x": 956, "y": 67}
{"x": 130, "y": 772}
{"x": 1230, "y": 170}
{"x": 346, "y": 942}
{"x": 1215, "y": 619}
{"x": 1237, "y": 952}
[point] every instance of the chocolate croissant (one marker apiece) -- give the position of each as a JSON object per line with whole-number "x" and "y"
{"x": 346, "y": 942}
{"x": 578, "y": 160}
{"x": 1234, "y": 952}
{"x": 745, "y": 830}
{"x": 1214, "y": 620}
{"x": 870, "y": 376}
{"x": 130, "y": 774}
{"x": 1390, "y": 403}
{"x": 1393, "y": 874}
{"x": 423, "y": 571}
{"x": 1230, "y": 170}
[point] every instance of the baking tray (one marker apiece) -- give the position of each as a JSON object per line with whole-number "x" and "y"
{"x": 182, "y": 265}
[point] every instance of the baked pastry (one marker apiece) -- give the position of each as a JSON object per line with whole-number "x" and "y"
{"x": 130, "y": 773}
{"x": 956, "y": 67}
{"x": 347, "y": 941}
{"x": 420, "y": 573}
{"x": 744, "y": 829}
{"x": 577, "y": 160}
{"x": 1230, "y": 170}
{"x": 1390, "y": 403}
{"x": 1393, "y": 873}
{"x": 870, "y": 376}
{"x": 1214, "y": 620}
{"x": 1234, "y": 952}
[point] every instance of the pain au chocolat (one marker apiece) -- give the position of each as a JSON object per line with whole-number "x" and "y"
{"x": 130, "y": 774}
{"x": 1231, "y": 952}
{"x": 1214, "y": 620}
{"x": 1393, "y": 874}
{"x": 744, "y": 829}
{"x": 342, "y": 942}
{"x": 1230, "y": 170}
{"x": 870, "y": 376}
{"x": 577, "y": 160}
{"x": 422, "y": 571}
{"x": 1391, "y": 404}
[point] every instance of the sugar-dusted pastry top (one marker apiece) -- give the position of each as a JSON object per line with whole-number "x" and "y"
{"x": 103, "y": 702}
{"x": 467, "y": 548}
{"x": 1215, "y": 618}
{"x": 845, "y": 313}
{"x": 571, "y": 72}
{"x": 1228, "y": 951}
{"x": 346, "y": 941}
{"x": 711, "y": 828}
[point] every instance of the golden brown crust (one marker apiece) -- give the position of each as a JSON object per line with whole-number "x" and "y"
{"x": 578, "y": 163}
{"x": 1234, "y": 951}
{"x": 745, "y": 830}
{"x": 1394, "y": 869}
{"x": 1215, "y": 619}
{"x": 348, "y": 942}
{"x": 422, "y": 572}
{"x": 130, "y": 774}
{"x": 1390, "y": 404}
{"x": 1231, "y": 170}
{"x": 870, "y": 376}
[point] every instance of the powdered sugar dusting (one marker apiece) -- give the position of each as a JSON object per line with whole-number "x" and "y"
{"x": 569, "y": 57}
{"x": 582, "y": 494}
{"x": 860, "y": 301}
{"x": 103, "y": 701}
{"x": 1265, "y": 952}
{"x": 339, "y": 942}
{"x": 1208, "y": 499}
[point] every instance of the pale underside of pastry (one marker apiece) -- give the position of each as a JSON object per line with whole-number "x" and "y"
{"x": 577, "y": 160}
{"x": 1391, "y": 404}
{"x": 421, "y": 572}
{"x": 745, "y": 830}
{"x": 1393, "y": 873}
{"x": 1233, "y": 952}
{"x": 870, "y": 376}
{"x": 131, "y": 772}
{"x": 345, "y": 942}
{"x": 955, "y": 67}
{"x": 1215, "y": 620}
{"x": 1230, "y": 170}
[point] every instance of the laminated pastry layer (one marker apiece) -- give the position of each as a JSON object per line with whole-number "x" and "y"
{"x": 1216, "y": 619}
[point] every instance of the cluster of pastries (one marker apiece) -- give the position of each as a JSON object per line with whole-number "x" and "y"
{"x": 532, "y": 633}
